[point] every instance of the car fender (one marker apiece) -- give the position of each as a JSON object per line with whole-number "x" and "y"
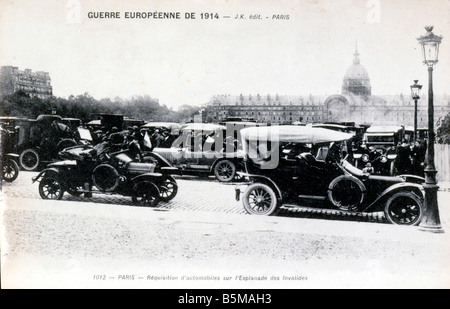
{"x": 417, "y": 189}
{"x": 44, "y": 172}
{"x": 149, "y": 176}
{"x": 12, "y": 155}
{"x": 265, "y": 180}
{"x": 63, "y": 163}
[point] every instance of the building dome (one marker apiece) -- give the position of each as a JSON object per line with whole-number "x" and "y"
{"x": 356, "y": 71}
{"x": 356, "y": 79}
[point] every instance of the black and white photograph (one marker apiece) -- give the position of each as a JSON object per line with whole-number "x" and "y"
{"x": 225, "y": 144}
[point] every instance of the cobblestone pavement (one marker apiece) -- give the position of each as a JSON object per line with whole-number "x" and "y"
{"x": 194, "y": 194}
{"x": 207, "y": 194}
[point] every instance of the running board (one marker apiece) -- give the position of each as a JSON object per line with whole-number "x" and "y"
{"x": 313, "y": 197}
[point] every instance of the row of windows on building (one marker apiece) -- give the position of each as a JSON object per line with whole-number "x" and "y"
{"x": 403, "y": 117}
{"x": 318, "y": 104}
{"x": 27, "y": 88}
{"x": 32, "y": 80}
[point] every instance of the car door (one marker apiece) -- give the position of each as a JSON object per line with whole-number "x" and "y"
{"x": 201, "y": 154}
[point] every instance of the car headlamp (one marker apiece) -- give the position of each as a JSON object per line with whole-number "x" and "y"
{"x": 365, "y": 158}
{"x": 383, "y": 159}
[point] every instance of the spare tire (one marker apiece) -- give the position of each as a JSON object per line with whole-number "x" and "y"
{"x": 105, "y": 177}
{"x": 29, "y": 159}
{"x": 65, "y": 143}
{"x": 346, "y": 192}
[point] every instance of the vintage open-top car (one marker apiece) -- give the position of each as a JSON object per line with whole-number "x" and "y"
{"x": 301, "y": 165}
{"x": 204, "y": 148}
{"x": 87, "y": 169}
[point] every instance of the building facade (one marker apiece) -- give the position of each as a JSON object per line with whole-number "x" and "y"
{"x": 355, "y": 104}
{"x": 35, "y": 84}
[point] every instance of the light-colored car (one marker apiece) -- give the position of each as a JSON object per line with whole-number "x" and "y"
{"x": 204, "y": 149}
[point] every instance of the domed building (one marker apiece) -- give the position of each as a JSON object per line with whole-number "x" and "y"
{"x": 356, "y": 79}
{"x": 354, "y": 104}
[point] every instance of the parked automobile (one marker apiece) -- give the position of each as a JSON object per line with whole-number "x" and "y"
{"x": 204, "y": 148}
{"x": 86, "y": 169}
{"x": 39, "y": 140}
{"x": 275, "y": 178}
{"x": 10, "y": 168}
{"x": 380, "y": 149}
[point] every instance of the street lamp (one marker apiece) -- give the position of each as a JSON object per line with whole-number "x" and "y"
{"x": 415, "y": 94}
{"x": 430, "y": 220}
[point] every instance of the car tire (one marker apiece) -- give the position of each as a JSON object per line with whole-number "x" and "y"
{"x": 10, "y": 170}
{"x": 105, "y": 177}
{"x": 168, "y": 190}
{"x": 65, "y": 143}
{"x": 346, "y": 193}
{"x": 50, "y": 188}
{"x": 404, "y": 208}
{"x": 145, "y": 193}
{"x": 225, "y": 170}
{"x": 29, "y": 159}
{"x": 260, "y": 199}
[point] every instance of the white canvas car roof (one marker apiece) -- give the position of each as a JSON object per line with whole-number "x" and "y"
{"x": 383, "y": 129}
{"x": 292, "y": 133}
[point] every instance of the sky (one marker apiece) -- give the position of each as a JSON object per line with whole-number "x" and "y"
{"x": 188, "y": 61}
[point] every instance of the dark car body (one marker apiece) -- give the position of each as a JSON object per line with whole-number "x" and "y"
{"x": 317, "y": 176}
{"x": 39, "y": 140}
{"x": 380, "y": 149}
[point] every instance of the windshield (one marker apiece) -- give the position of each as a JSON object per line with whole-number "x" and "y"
{"x": 380, "y": 139}
{"x": 85, "y": 134}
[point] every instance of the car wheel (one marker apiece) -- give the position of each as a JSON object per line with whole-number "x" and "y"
{"x": 260, "y": 199}
{"x": 346, "y": 192}
{"x": 10, "y": 170}
{"x": 225, "y": 170}
{"x": 105, "y": 177}
{"x": 65, "y": 143}
{"x": 145, "y": 193}
{"x": 29, "y": 159}
{"x": 50, "y": 189}
{"x": 403, "y": 208}
{"x": 168, "y": 190}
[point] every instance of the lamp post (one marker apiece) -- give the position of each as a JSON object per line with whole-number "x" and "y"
{"x": 430, "y": 219}
{"x": 415, "y": 94}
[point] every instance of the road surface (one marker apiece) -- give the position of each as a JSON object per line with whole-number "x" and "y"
{"x": 204, "y": 239}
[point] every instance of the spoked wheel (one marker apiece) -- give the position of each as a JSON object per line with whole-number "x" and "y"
{"x": 50, "y": 189}
{"x": 403, "y": 208}
{"x": 29, "y": 159}
{"x": 10, "y": 170}
{"x": 260, "y": 199}
{"x": 168, "y": 190}
{"x": 145, "y": 193}
{"x": 346, "y": 193}
{"x": 225, "y": 171}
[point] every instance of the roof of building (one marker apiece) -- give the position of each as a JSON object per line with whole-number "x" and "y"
{"x": 356, "y": 70}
